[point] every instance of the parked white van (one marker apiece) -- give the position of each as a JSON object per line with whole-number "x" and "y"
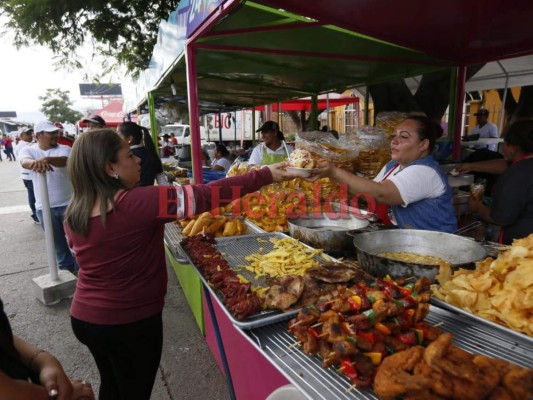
{"x": 183, "y": 133}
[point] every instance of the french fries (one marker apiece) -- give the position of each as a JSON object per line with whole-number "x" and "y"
{"x": 217, "y": 225}
{"x": 289, "y": 257}
{"x": 499, "y": 290}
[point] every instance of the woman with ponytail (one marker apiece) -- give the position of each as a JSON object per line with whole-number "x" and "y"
{"x": 142, "y": 146}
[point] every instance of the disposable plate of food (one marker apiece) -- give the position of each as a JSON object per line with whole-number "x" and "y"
{"x": 301, "y": 172}
{"x": 504, "y": 329}
{"x": 235, "y": 250}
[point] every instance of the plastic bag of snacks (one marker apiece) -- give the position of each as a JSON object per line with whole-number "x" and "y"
{"x": 324, "y": 146}
{"x": 374, "y": 151}
{"x": 238, "y": 169}
{"x": 387, "y": 121}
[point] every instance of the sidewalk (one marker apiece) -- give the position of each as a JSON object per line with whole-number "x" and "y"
{"x": 187, "y": 369}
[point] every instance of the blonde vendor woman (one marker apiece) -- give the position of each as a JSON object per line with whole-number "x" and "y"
{"x": 273, "y": 148}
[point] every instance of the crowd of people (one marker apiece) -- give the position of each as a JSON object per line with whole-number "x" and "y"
{"x": 108, "y": 224}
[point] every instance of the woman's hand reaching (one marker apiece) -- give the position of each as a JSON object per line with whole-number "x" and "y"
{"x": 279, "y": 172}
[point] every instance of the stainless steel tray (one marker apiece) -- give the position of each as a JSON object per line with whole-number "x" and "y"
{"x": 174, "y": 235}
{"x": 234, "y": 249}
{"x": 315, "y": 382}
{"x": 505, "y": 330}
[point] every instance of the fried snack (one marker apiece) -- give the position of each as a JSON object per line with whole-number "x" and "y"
{"x": 289, "y": 257}
{"x": 201, "y": 223}
{"x": 443, "y": 371}
{"x": 230, "y": 228}
{"x": 499, "y": 290}
{"x": 216, "y": 224}
{"x": 188, "y": 228}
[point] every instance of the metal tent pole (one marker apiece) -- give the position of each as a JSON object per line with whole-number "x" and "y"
{"x": 504, "y": 99}
{"x": 47, "y": 223}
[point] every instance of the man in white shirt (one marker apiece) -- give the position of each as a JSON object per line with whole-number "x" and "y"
{"x": 26, "y": 137}
{"x": 485, "y": 129}
{"x": 47, "y": 156}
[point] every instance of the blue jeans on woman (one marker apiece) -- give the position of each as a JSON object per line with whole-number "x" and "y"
{"x": 65, "y": 259}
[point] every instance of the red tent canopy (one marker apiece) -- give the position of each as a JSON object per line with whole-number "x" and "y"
{"x": 112, "y": 114}
{"x": 331, "y": 100}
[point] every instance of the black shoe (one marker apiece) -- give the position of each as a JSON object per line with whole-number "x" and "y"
{"x": 35, "y": 220}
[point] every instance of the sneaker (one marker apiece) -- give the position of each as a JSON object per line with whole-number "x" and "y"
{"x": 35, "y": 220}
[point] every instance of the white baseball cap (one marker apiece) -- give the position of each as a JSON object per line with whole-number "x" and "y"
{"x": 44, "y": 126}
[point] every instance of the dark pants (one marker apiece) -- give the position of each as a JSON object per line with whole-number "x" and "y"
{"x": 127, "y": 356}
{"x": 31, "y": 198}
{"x": 9, "y": 153}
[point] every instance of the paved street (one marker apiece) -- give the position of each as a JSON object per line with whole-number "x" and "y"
{"x": 187, "y": 369}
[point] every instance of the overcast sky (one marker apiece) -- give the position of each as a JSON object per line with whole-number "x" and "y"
{"x": 26, "y": 74}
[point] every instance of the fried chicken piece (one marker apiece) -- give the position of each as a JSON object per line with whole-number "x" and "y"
{"x": 461, "y": 377}
{"x": 394, "y": 378}
{"x": 283, "y": 292}
{"x": 518, "y": 382}
{"x": 438, "y": 356}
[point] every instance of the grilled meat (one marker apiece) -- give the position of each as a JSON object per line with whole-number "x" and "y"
{"x": 332, "y": 272}
{"x": 283, "y": 292}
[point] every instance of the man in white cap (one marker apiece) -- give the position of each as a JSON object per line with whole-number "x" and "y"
{"x": 484, "y": 128}
{"x": 26, "y": 138}
{"x": 48, "y": 156}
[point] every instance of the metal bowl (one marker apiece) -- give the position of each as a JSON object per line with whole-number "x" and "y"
{"x": 456, "y": 250}
{"x": 323, "y": 232}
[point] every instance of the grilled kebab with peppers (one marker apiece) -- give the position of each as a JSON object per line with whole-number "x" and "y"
{"x": 238, "y": 297}
{"x": 363, "y": 324}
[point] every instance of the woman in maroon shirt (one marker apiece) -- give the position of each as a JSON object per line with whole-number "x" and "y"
{"x": 116, "y": 229}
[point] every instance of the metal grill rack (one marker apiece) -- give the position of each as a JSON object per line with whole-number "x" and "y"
{"x": 234, "y": 250}
{"x": 315, "y": 382}
{"x": 173, "y": 237}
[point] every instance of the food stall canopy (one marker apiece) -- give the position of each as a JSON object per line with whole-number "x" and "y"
{"x": 266, "y": 51}
{"x": 112, "y": 114}
{"x": 305, "y": 104}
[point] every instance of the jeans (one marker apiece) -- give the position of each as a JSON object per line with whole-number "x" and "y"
{"x": 31, "y": 198}
{"x": 9, "y": 154}
{"x": 65, "y": 259}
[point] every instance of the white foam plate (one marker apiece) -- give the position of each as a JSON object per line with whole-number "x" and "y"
{"x": 301, "y": 172}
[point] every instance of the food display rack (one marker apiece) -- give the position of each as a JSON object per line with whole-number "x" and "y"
{"x": 270, "y": 342}
{"x": 306, "y": 372}
{"x": 234, "y": 251}
{"x": 483, "y": 321}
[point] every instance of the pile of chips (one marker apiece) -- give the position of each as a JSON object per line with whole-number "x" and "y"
{"x": 499, "y": 290}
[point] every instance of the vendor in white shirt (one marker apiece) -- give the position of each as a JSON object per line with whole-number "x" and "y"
{"x": 485, "y": 129}
{"x": 221, "y": 161}
{"x": 273, "y": 148}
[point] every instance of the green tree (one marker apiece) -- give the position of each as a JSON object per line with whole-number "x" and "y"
{"x": 124, "y": 31}
{"x": 56, "y": 106}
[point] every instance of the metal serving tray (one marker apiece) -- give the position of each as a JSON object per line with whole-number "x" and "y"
{"x": 174, "y": 235}
{"x": 234, "y": 249}
{"x": 315, "y": 382}
{"x": 505, "y": 330}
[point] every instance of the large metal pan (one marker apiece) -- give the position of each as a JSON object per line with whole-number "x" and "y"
{"x": 323, "y": 232}
{"x": 456, "y": 250}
